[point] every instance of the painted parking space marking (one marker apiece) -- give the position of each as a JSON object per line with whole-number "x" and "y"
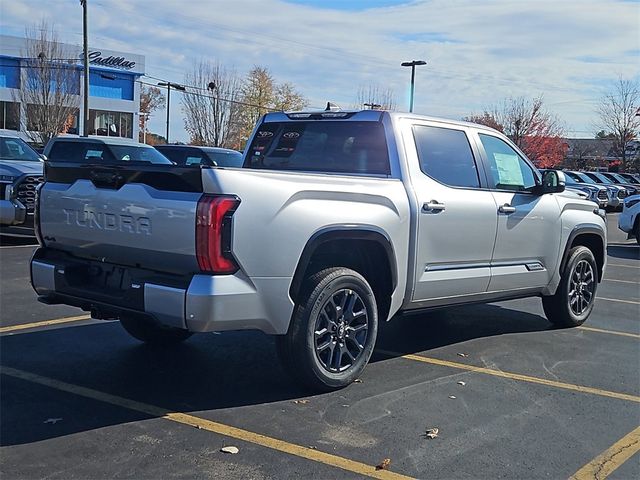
{"x": 622, "y": 265}
{"x": 632, "y": 302}
{"x": 610, "y": 332}
{"x": 613, "y": 457}
{"x": 44, "y": 323}
{"x": 634, "y": 282}
{"x": 515, "y": 376}
{"x": 208, "y": 425}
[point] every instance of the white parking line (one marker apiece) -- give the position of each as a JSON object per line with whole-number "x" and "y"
{"x": 18, "y": 246}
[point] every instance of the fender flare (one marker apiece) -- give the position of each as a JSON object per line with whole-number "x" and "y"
{"x": 581, "y": 230}
{"x": 343, "y": 232}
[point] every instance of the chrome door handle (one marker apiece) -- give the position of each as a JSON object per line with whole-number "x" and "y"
{"x": 433, "y": 206}
{"x": 506, "y": 208}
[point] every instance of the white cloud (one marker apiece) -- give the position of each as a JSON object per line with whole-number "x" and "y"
{"x": 478, "y": 52}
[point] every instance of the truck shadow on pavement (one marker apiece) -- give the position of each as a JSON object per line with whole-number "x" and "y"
{"x": 207, "y": 373}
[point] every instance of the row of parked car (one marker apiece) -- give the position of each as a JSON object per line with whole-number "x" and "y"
{"x": 21, "y": 170}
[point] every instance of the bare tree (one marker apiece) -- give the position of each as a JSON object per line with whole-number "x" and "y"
{"x": 49, "y": 86}
{"x": 210, "y": 109}
{"x": 375, "y": 96}
{"x": 618, "y": 112}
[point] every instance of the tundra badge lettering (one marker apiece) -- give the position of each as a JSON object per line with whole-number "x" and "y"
{"x": 107, "y": 221}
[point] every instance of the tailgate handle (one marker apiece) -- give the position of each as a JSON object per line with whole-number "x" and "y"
{"x": 103, "y": 179}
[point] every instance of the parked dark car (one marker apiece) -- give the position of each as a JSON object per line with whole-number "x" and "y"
{"x": 194, "y": 155}
{"x": 623, "y": 182}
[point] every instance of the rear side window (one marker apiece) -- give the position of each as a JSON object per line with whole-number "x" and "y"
{"x": 226, "y": 159}
{"x": 445, "y": 155}
{"x": 320, "y": 146}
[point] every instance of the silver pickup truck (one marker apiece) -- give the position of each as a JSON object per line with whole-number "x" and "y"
{"x": 336, "y": 221}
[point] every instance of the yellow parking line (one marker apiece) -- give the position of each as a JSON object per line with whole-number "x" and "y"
{"x": 611, "y": 332}
{"x": 516, "y": 376}
{"x": 44, "y": 323}
{"x": 608, "y": 461}
{"x": 215, "y": 427}
{"x": 632, "y": 302}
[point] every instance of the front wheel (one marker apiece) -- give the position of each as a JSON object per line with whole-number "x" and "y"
{"x": 576, "y": 294}
{"x": 333, "y": 330}
{"x": 153, "y": 333}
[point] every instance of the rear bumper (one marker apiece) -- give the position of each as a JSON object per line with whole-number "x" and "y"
{"x": 12, "y": 212}
{"x": 198, "y": 303}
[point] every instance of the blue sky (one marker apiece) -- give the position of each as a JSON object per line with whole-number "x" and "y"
{"x": 478, "y": 52}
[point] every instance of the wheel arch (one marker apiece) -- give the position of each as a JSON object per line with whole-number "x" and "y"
{"x": 591, "y": 237}
{"x": 366, "y": 249}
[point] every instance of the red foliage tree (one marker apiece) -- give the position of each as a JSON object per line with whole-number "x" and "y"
{"x": 535, "y": 131}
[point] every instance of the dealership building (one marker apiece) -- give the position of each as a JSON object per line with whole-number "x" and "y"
{"x": 114, "y": 93}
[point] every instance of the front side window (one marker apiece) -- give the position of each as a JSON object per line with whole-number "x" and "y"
{"x": 445, "y": 155}
{"x": 509, "y": 171}
{"x": 320, "y": 146}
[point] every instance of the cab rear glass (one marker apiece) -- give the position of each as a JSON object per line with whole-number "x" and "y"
{"x": 98, "y": 152}
{"x": 320, "y": 146}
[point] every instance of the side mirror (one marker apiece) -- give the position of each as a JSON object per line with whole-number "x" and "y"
{"x": 43, "y": 157}
{"x": 553, "y": 181}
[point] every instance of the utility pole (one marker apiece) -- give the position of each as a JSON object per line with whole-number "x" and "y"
{"x": 413, "y": 77}
{"x": 85, "y": 43}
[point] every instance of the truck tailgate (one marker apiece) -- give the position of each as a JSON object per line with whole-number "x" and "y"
{"x": 141, "y": 222}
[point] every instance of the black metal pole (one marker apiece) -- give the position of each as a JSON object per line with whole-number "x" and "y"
{"x": 413, "y": 84}
{"x": 168, "y": 103}
{"x": 85, "y": 42}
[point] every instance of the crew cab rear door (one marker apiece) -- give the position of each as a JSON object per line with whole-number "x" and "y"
{"x": 456, "y": 225}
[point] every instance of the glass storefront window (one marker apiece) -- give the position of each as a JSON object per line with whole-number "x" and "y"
{"x": 10, "y": 115}
{"x": 110, "y": 124}
{"x": 38, "y": 116}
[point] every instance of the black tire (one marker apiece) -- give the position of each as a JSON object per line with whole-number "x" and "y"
{"x": 319, "y": 326}
{"x": 637, "y": 230}
{"x": 153, "y": 333}
{"x": 574, "y": 300}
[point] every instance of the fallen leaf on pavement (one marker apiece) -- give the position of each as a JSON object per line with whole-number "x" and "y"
{"x": 452, "y": 396}
{"x": 357, "y": 380}
{"x": 432, "y": 432}
{"x": 52, "y": 420}
{"x": 233, "y": 450}
{"x": 312, "y": 447}
{"x": 462, "y": 383}
{"x": 384, "y": 464}
{"x": 301, "y": 402}
{"x": 463, "y": 354}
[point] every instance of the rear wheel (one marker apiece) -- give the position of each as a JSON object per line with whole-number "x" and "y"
{"x": 574, "y": 300}
{"x": 153, "y": 333}
{"x": 637, "y": 230}
{"x": 332, "y": 332}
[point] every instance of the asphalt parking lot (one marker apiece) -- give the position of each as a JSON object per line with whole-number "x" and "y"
{"x": 511, "y": 396}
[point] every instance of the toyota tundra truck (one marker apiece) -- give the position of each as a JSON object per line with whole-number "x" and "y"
{"x": 335, "y": 222}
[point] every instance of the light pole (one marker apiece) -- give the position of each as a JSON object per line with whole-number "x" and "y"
{"x": 169, "y": 86}
{"x": 413, "y": 65}
{"x": 144, "y": 117}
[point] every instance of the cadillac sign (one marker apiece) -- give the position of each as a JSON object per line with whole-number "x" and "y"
{"x": 96, "y": 58}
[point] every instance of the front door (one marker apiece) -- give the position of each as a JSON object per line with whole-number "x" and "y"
{"x": 529, "y": 226}
{"x": 456, "y": 224}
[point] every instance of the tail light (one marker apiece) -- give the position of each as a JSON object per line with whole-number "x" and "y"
{"x": 213, "y": 233}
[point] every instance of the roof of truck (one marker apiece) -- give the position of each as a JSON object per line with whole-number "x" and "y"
{"x": 100, "y": 139}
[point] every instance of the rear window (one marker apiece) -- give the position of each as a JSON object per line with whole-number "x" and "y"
{"x": 321, "y": 146}
{"x": 80, "y": 152}
{"x": 226, "y": 159}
